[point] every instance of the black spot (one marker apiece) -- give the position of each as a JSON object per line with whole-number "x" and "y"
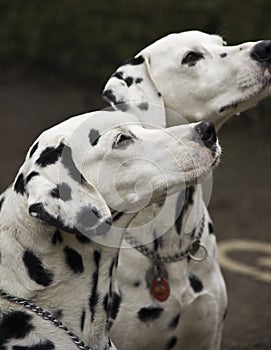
{"x": 82, "y": 320}
{"x": 106, "y": 303}
{"x": 45, "y": 345}
{"x": 112, "y": 267}
{"x": 174, "y": 322}
{"x": 1, "y": 202}
{"x": 50, "y": 155}
{"x": 82, "y": 239}
{"x": 129, "y": 81}
{"x": 94, "y": 137}
{"x": 19, "y": 185}
{"x": 69, "y": 164}
{"x": 138, "y": 80}
{"x": 157, "y": 241}
{"x": 74, "y": 260}
{"x": 185, "y": 199}
{"x": 211, "y": 228}
{"x": 143, "y": 106}
{"x": 224, "y": 54}
{"x": 135, "y": 61}
{"x": 195, "y": 283}
{"x": 36, "y": 271}
{"x": 159, "y": 94}
{"x": 88, "y": 222}
{"x": 137, "y": 283}
{"x": 33, "y": 149}
{"x": 117, "y": 215}
{"x": 171, "y": 343}
{"x": 57, "y": 238}
{"x": 114, "y": 305}
{"x": 149, "y": 313}
{"x": 97, "y": 258}
{"x": 225, "y": 314}
{"x": 62, "y": 191}
{"x": 88, "y": 217}
{"x": 94, "y": 296}
{"x": 15, "y": 325}
{"x": 118, "y": 75}
{"x": 31, "y": 175}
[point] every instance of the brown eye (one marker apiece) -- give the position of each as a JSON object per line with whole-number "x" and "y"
{"x": 192, "y": 57}
{"x": 122, "y": 140}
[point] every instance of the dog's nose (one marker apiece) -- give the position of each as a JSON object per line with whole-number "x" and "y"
{"x": 206, "y": 131}
{"x": 261, "y": 52}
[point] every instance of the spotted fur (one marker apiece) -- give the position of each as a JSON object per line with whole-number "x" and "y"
{"x": 59, "y": 249}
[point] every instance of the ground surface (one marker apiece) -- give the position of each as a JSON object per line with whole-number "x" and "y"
{"x": 240, "y": 205}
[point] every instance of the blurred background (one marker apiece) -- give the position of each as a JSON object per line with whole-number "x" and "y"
{"x": 55, "y": 57}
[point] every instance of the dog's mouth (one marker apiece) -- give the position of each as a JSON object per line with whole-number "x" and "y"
{"x": 252, "y": 92}
{"x": 203, "y": 167}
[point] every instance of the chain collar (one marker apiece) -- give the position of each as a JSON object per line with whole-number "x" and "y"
{"x": 47, "y": 316}
{"x": 189, "y": 252}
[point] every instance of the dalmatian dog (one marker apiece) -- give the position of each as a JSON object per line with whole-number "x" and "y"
{"x": 186, "y": 77}
{"x": 63, "y": 219}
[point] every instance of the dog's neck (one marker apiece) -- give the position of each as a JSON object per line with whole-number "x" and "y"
{"x": 172, "y": 231}
{"x": 75, "y": 279}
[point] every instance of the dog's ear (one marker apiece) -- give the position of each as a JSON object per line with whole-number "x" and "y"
{"x": 131, "y": 88}
{"x": 58, "y": 194}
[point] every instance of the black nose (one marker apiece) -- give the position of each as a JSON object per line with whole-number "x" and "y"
{"x": 261, "y": 52}
{"x": 206, "y": 131}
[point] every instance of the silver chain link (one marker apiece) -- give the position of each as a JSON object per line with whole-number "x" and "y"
{"x": 190, "y": 251}
{"x": 47, "y": 316}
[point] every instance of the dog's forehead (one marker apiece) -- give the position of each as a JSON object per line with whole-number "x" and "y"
{"x": 184, "y": 39}
{"x": 79, "y": 126}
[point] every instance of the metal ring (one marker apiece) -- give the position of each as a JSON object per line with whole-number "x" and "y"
{"x": 200, "y": 258}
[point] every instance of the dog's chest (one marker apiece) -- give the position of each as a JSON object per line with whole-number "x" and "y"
{"x": 66, "y": 281}
{"x": 176, "y": 322}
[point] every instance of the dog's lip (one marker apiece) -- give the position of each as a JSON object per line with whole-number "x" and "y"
{"x": 215, "y": 162}
{"x": 264, "y": 84}
{"x": 216, "y": 154}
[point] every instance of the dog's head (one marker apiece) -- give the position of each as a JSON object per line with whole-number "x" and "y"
{"x": 193, "y": 74}
{"x": 81, "y": 169}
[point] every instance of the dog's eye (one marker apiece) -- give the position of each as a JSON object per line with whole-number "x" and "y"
{"x": 192, "y": 57}
{"x": 122, "y": 140}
